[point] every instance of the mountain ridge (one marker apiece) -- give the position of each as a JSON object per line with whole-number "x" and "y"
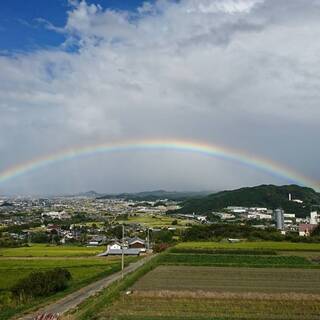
{"x": 270, "y": 196}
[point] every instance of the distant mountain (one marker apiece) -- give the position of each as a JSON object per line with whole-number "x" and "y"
{"x": 89, "y": 194}
{"x": 156, "y": 195}
{"x": 6, "y": 204}
{"x": 269, "y": 196}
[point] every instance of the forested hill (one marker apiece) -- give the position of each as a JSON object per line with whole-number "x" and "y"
{"x": 269, "y": 196}
{"x": 156, "y": 195}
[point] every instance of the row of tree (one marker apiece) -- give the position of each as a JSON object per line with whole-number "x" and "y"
{"x": 218, "y": 232}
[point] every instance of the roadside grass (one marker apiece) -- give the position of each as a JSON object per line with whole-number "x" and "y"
{"x": 89, "y": 310}
{"x": 83, "y": 271}
{"x": 46, "y": 250}
{"x": 255, "y": 245}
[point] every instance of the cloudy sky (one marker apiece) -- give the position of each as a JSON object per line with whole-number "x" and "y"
{"x": 242, "y": 74}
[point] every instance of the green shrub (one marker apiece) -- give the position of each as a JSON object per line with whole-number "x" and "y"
{"x": 41, "y": 284}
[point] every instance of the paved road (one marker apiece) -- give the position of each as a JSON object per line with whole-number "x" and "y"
{"x": 72, "y": 300}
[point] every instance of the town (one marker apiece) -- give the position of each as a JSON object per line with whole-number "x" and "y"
{"x": 91, "y": 221}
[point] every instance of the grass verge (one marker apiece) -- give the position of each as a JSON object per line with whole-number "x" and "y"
{"x": 91, "y": 307}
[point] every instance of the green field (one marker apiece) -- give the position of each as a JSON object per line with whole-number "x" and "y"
{"x": 83, "y": 270}
{"x": 237, "y": 260}
{"x": 257, "y": 245}
{"x": 44, "y": 250}
{"x": 156, "y": 221}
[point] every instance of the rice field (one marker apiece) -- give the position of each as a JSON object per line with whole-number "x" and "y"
{"x": 156, "y": 220}
{"x": 45, "y": 250}
{"x": 84, "y": 270}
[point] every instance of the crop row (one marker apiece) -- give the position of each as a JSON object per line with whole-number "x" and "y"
{"x": 235, "y": 260}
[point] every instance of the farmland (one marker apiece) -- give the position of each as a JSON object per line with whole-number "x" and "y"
{"x": 258, "y": 280}
{"x": 82, "y": 269}
{"x": 156, "y": 221}
{"x": 45, "y": 250}
{"x": 20, "y": 262}
{"x": 254, "y": 245}
{"x": 236, "y": 260}
{"x": 177, "y": 292}
{"x": 202, "y": 308}
{"x": 217, "y": 279}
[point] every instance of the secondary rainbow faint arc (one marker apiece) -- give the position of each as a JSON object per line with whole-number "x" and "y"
{"x": 214, "y": 150}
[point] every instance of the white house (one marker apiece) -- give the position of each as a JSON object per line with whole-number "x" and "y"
{"x": 114, "y": 246}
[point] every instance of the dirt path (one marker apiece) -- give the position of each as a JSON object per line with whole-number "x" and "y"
{"x": 72, "y": 300}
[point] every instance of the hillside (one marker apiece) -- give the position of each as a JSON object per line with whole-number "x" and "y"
{"x": 269, "y": 196}
{"x": 156, "y": 195}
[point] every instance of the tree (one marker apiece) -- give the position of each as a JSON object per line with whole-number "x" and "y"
{"x": 41, "y": 283}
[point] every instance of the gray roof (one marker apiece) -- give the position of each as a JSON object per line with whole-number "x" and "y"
{"x": 136, "y": 239}
{"x": 117, "y": 252}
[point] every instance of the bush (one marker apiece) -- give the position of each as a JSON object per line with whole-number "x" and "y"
{"x": 5, "y": 299}
{"x": 160, "y": 247}
{"x": 163, "y": 236}
{"x": 41, "y": 283}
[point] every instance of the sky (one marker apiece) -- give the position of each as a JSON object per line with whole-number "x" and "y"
{"x": 241, "y": 74}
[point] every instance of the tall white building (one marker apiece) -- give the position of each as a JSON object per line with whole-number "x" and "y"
{"x": 314, "y": 218}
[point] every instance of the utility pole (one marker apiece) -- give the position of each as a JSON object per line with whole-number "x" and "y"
{"x": 122, "y": 257}
{"x": 148, "y": 239}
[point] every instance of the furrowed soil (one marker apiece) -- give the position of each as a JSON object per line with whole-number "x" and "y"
{"x": 188, "y": 292}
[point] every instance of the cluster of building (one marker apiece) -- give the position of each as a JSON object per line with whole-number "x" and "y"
{"x": 128, "y": 246}
{"x": 306, "y": 226}
{"x": 74, "y": 219}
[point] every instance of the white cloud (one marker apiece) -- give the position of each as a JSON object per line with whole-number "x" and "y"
{"x": 241, "y": 73}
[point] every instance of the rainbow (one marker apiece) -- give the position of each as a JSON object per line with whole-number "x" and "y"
{"x": 213, "y": 150}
